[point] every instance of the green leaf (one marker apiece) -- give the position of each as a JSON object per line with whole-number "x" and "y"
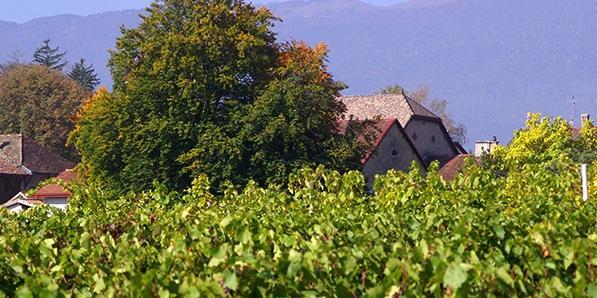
{"x": 455, "y": 276}
{"x": 230, "y": 280}
{"x": 225, "y": 221}
{"x": 503, "y": 274}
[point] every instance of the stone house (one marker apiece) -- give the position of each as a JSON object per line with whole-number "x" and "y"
{"x": 424, "y": 129}
{"x": 24, "y": 163}
{"x": 392, "y": 148}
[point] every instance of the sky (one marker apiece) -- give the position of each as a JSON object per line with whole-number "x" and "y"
{"x": 21, "y": 11}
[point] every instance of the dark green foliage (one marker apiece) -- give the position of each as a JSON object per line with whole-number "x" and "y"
{"x": 201, "y": 86}
{"x": 49, "y": 57}
{"x": 84, "y": 75}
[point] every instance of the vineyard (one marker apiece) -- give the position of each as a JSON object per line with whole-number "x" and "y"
{"x": 526, "y": 233}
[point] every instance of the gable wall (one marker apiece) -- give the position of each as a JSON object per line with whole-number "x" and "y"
{"x": 426, "y": 131}
{"x": 10, "y": 185}
{"x": 382, "y": 159}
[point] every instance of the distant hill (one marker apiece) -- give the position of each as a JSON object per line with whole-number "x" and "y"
{"x": 494, "y": 61}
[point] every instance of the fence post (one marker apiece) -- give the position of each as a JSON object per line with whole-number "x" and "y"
{"x": 585, "y": 190}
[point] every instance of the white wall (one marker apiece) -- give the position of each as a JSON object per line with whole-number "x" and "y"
{"x": 57, "y": 202}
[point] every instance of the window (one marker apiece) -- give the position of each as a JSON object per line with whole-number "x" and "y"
{"x": 433, "y": 139}
{"x": 395, "y": 152}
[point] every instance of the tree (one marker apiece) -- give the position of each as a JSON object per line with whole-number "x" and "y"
{"x": 292, "y": 123}
{"x": 49, "y": 57}
{"x": 438, "y": 106}
{"x": 177, "y": 79}
{"x": 84, "y": 75}
{"x": 392, "y": 89}
{"x": 545, "y": 141}
{"x": 40, "y": 103}
{"x": 201, "y": 86}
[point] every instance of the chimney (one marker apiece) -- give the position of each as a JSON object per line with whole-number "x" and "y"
{"x": 584, "y": 117}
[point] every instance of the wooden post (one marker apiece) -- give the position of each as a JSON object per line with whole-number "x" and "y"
{"x": 585, "y": 190}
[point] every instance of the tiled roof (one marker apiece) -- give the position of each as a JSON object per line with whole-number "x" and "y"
{"x": 460, "y": 148}
{"x": 20, "y": 155}
{"x": 55, "y": 190}
{"x": 453, "y": 167}
{"x": 384, "y": 106}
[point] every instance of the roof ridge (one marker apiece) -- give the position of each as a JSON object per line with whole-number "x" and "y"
{"x": 411, "y": 101}
{"x": 370, "y": 95}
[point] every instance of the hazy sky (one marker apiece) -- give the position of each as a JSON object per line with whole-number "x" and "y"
{"x": 25, "y": 10}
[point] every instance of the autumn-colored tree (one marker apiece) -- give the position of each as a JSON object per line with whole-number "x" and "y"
{"x": 544, "y": 141}
{"x": 40, "y": 103}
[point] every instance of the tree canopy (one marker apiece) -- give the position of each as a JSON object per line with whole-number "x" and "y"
{"x": 40, "y": 103}
{"x": 84, "y": 75}
{"x": 203, "y": 86}
{"x": 49, "y": 57}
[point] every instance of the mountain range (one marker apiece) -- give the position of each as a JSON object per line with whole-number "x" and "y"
{"x": 492, "y": 60}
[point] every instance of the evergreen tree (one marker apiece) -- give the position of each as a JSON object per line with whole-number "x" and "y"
{"x": 84, "y": 75}
{"x": 49, "y": 57}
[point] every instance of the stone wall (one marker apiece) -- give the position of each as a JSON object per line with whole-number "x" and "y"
{"x": 429, "y": 138}
{"x": 393, "y": 152}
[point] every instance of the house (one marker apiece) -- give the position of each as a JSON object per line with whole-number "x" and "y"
{"x": 486, "y": 147}
{"x": 20, "y": 202}
{"x": 425, "y": 129}
{"x": 392, "y": 148}
{"x": 455, "y": 166}
{"x": 24, "y": 163}
{"x": 56, "y": 194}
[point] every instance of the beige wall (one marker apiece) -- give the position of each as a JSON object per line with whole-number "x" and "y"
{"x": 430, "y": 139}
{"x": 383, "y": 159}
{"x": 483, "y": 147}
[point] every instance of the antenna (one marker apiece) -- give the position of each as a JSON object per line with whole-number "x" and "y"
{"x": 572, "y": 103}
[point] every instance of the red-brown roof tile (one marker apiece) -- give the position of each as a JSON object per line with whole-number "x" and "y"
{"x": 454, "y": 166}
{"x": 20, "y": 155}
{"x": 56, "y": 190}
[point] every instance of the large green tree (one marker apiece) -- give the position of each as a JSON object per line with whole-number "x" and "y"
{"x": 40, "y": 103}
{"x": 49, "y": 57}
{"x": 84, "y": 75}
{"x": 198, "y": 88}
{"x": 292, "y": 123}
